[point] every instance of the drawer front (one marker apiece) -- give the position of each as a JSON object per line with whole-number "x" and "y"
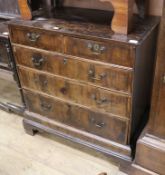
{"x": 96, "y": 123}
{"x": 37, "y": 38}
{"x": 100, "y": 51}
{"x": 97, "y": 74}
{"x": 86, "y": 95}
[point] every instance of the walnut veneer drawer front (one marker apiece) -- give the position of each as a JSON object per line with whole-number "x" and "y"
{"x": 37, "y": 38}
{"x": 101, "y": 51}
{"x": 103, "y": 125}
{"x": 98, "y": 74}
{"x": 90, "y": 96}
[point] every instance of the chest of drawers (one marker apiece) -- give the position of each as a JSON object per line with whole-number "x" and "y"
{"x": 84, "y": 83}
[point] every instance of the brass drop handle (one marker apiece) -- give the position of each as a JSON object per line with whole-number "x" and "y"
{"x": 96, "y": 48}
{"x": 37, "y": 61}
{"x": 92, "y": 76}
{"x": 100, "y": 101}
{"x": 43, "y": 83}
{"x": 33, "y": 37}
{"x": 46, "y": 107}
{"x": 98, "y": 124}
{"x": 65, "y": 61}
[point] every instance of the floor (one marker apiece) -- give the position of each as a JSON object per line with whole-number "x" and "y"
{"x": 21, "y": 154}
{"x": 9, "y": 91}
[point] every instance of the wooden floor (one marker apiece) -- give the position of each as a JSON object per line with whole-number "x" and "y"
{"x": 21, "y": 154}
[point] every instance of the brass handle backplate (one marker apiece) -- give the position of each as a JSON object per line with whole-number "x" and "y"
{"x": 37, "y": 61}
{"x": 97, "y": 124}
{"x": 92, "y": 76}
{"x": 100, "y": 101}
{"x": 96, "y": 48}
{"x": 46, "y": 107}
{"x": 33, "y": 37}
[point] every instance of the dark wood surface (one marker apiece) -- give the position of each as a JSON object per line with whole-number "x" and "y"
{"x": 56, "y": 60}
{"x": 121, "y": 21}
{"x": 94, "y": 122}
{"x": 74, "y": 92}
{"x": 150, "y": 151}
{"x": 82, "y": 26}
{"x": 103, "y": 75}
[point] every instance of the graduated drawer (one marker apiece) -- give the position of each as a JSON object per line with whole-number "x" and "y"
{"x": 36, "y": 38}
{"x": 110, "y": 52}
{"x": 79, "y": 69}
{"x": 86, "y": 95}
{"x": 100, "y": 124}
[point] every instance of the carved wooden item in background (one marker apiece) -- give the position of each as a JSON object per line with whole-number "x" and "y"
{"x": 25, "y": 9}
{"x": 150, "y": 150}
{"x": 123, "y": 12}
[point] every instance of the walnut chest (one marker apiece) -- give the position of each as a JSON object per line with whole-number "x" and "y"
{"x": 83, "y": 82}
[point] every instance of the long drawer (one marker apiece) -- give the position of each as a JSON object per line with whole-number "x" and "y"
{"x": 78, "y": 69}
{"x": 93, "y": 97}
{"x": 96, "y": 123}
{"x": 37, "y": 38}
{"x": 114, "y": 53}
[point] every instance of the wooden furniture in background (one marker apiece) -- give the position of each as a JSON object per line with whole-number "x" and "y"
{"x": 11, "y": 98}
{"x": 122, "y": 21}
{"x": 81, "y": 82}
{"x": 25, "y": 9}
{"x": 11, "y": 95}
{"x": 150, "y": 151}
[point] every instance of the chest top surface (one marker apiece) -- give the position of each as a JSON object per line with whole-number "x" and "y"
{"x": 88, "y": 24}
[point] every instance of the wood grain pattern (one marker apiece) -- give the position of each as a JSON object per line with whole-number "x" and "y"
{"x": 93, "y": 97}
{"x": 109, "y": 77}
{"x": 60, "y": 73}
{"x": 100, "y": 51}
{"x": 123, "y": 15}
{"x": 25, "y": 9}
{"x": 102, "y": 125}
{"x": 37, "y": 38}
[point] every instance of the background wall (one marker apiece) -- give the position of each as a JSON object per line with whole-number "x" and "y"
{"x": 155, "y": 5}
{"x": 9, "y": 7}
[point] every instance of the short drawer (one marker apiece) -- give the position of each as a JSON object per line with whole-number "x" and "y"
{"x": 37, "y": 38}
{"x": 78, "y": 69}
{"x": 106, "y": 126}
{"x": 86, "y": 95}
{"x": 112, "y": 53}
